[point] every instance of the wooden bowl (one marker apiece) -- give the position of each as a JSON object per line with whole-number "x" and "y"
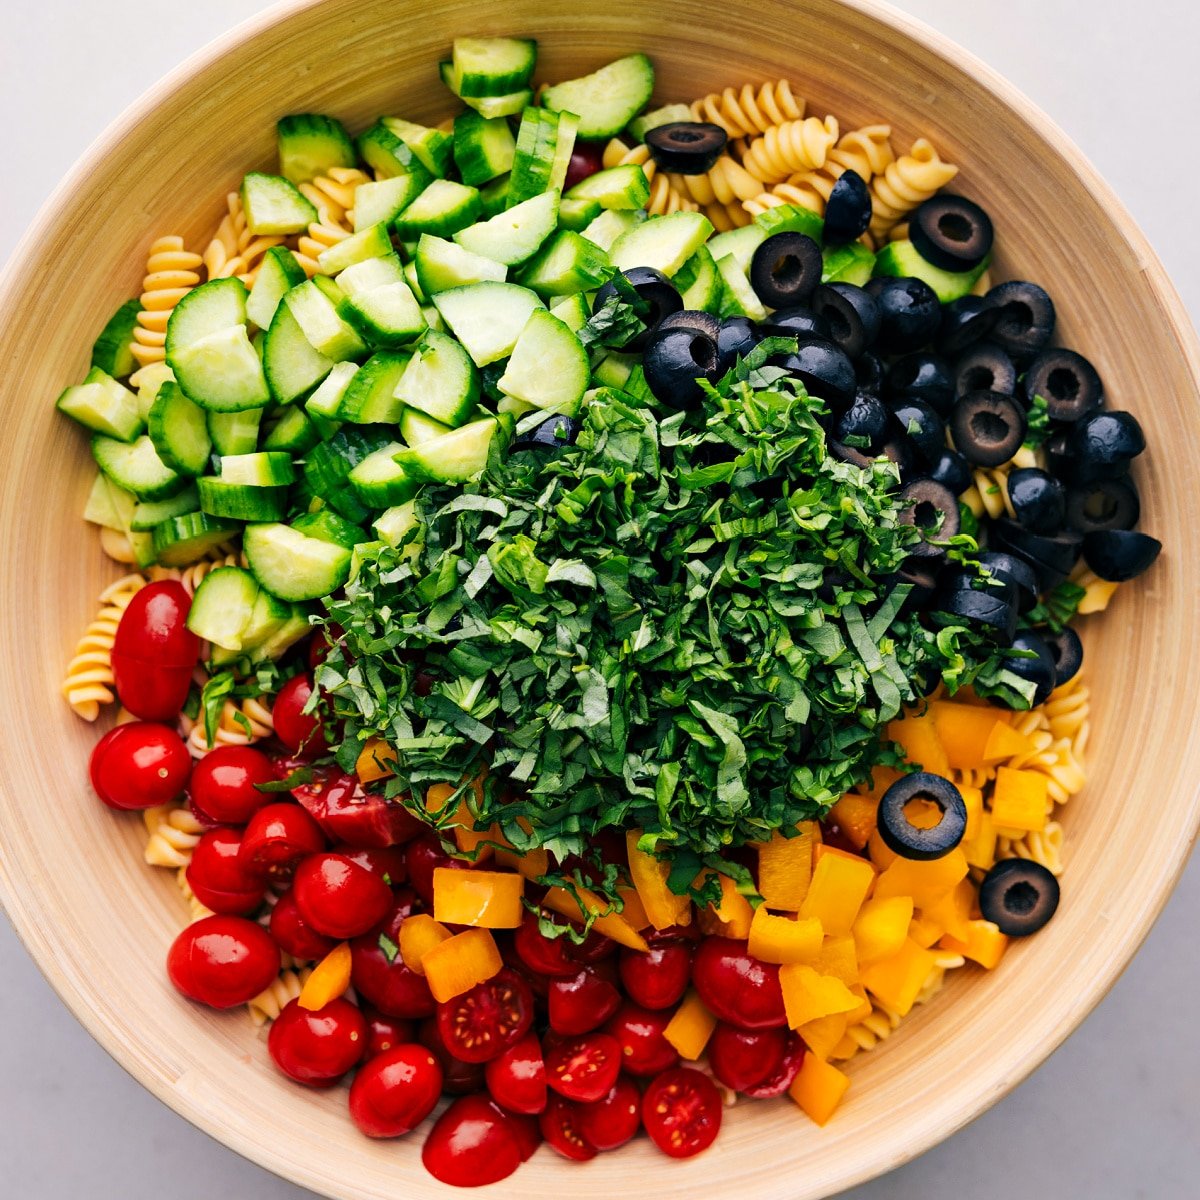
{"x": 98, "y": 922}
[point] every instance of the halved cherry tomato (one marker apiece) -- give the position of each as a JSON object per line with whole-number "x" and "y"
{"x": 378, "y": 972}
{"x": 784, "y": 1074}
{"x": 543, "y": 955}
{"x": 471, "y": 1144}
{"x": 682, "y": 1112}
{"x": 318, "y": 1048}
{"x": 299, "y": 731}
{"x": 639, "y": 1032}
{"x": 562, "y": 1127}
{"x": 154, "y": 653}
{"x": 385, "y": 1033}
{"x": 741, "y": 1058}
{"x": 594, "y": 948}
{"x": 583, "y": 1002}
{"x": 293, "y": 934}
{"x": 527, "y": 1132}
{"x": 736, "y": 987}
{"x": 338, "y": 897}
{"x": 658, "y": 977}
{"x": 424, "y": 855}
{"x": 222, "y": 961}
{"x": 584, "y": 1068}
{"x": 349, "y": 814}
{"x": 385, "y": 862}
{"x": 458, "y": 1078}
{"x": 486, "y": 1020}
{"x": 395, "y": 1091}
{"x": 278, "y": 837}
{"x": 218, "y": 876}
{"x": 614, "y": 1119}
{"x": 516, "y": 1078}
{"x": 139, "y": 765}
{"x": 224, "y": 783}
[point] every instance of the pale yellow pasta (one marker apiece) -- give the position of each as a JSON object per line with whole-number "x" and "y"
{"x": 171, "y": 272}
{"x": 725, "y": 217}
{"x": 192, "y": 576}
{"x": 972, "y": 777}
{"x": 749, "y": 110}
{"x": 1042, "y": 846}
{"x": 117, "y": 546}
{"x": 793, "y": 146}
{"x": 196, "y": 910}
{"x": 89, "y": 681}
{"x": 333, "y": 195}
{"x": 241, "y": 723}
{"x": 867, "y": 1033}
{"x": 727, "y": 183}
{"x": 234, "y": 250}
{"x": 270, "y": 1002}
{"x": 173, "y": 833}
{"x": 905, "y": 184}
{"x": 868, "y": 151}
{"x": 1097, "y": 592}
{"x": 664, "y": 198}
{"x": 1067, "y": 711}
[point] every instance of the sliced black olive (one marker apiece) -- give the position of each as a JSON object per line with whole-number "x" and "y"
{"x": 932, "y": 826}
{"x": 964, "y": 322}
{"x": 1039, "y": 501}
{"x": 952, "y": 470}
{"x": 1040, "y": 670}
{"x": 844, "y": 452}
{"x": 675, "y": 361}
{"x": 653, "y": 287}
{"x": 1026, "y": 321}
{"x": 920, "y": 576}
{"x": 1057, "y": 454}
{"x": 851, "y": 313}
{"x": 1105, "y": 504}
{"x": 902, "y": 452}
{"x": 1101, "y": 446}
{"x": 798, "y": 320}
{"x": 868, "y": 370}
{"x": 786, "y": 269}
{"x": 1120, "y": 554}
{"x": 686, "y": 147}
{"x": 1015, "y": 572}
{"x": 690, "y": 318}
{"x": 864, "y": 424}
{"x": 909, "y": 314}
{"x": 1067, "y": 651}
{"x": 933, "y": 510}
{"x": 1066, "y": 381}
{"x": 985, "y": 368}
{"x": 987, "y": 427}
{"x": 824, "y": 370}
{"x": 735, "y": 339}
{"x": 1019, "y": 896}
{"x": 951, "y": 232}
{"x": 922, "y": 377}
{"x": 1052, "y": 558}
{"x": 552, "y": 434}
{"x": 926, "y": 429}
{"x": 848, "y": 210}
{"x": 993, "y": 611}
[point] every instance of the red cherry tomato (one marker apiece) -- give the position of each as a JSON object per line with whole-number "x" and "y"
{"x": 682, "y": 1112}
{"x": 278, "y": 837}
{"x": 218, "y": 876}
{"x": 516, "y": 1078}
{"x": 380, "y": 976}
{"x": 299, "y": 731}
{"x": 737, "y": 988}
{"x": 543, "y": 955}
{"x": 339, "y": 898}
{"x": 395, "y": 1091}
{"x": 139, "y": 765}
{"x": 322, "y": 642}
{"x": 527, "y": 1132}
{"x": 487, "y": 1019}
{"x": 584, "y": 1068}
{"x": 293, "y": 934}
{"x": 784, "y": 1074}
{"x": 424, "y": 855}
{"x": 351, "y": 815}
{"x": 384, "y": 862}
{"x": 385, "y": 1033}
{"x": 154, "y": 653}
{"x": 471, "y": 1144}
{"x": 562, "y": 1127}
{"x": 639, "y": 1031}
{"x": 594, "y": 948}
{"x": 740, "y": 1058}
{"x": 614, "y": 1119}
{"x": 224, "y": 783}
{"x": 458, "y": 1078}
{"x": 318, "y": 1048}
{"x": 222, "y": 961}
{"x": 582, "y": 1003}
{"x": 658, "y": 977}
{"x": 586, "y": 159}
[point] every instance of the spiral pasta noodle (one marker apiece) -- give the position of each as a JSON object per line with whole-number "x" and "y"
{"x": 1068, "y": 712}
{"x": 746, "y": 111}
{"x": 783, "y": 150}
{"x": 89, "y": 680}
{"x": 1097, "y": 592}
{"x": 270, "y": 1002}
{"x": 333, "y": 194}
{"x": 867, "y": 1033}
{"x": 867, "y": 150}
{"x": 171, "y": 272}
{"x": 233, "y": 249}
{"x": 174, "y": 831}
{"x": 196, "y": 910}
{"x": 664, "y": 198}
{"x": 240, "y": 724}
{"x": 727, "y": 183}
{"x": 905, "y": 184}
{"x": 1043, "y": 846}
{"x": 192, "y": 576}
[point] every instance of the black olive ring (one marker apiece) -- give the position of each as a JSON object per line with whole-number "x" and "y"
{"x": 902, "y": 837}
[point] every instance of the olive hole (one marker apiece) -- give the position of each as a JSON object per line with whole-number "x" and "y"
{"x": 926, "y": 514}
{"x": 1021, "y": 898}
{"x": 924, "y": 812}
{"x": 687, "y": 135}
{"x": 988, "y": 427}
{"x": 1018, "y": 316}
{"x": 1063, "y": 384}
{"x": 787, "y": 272}
{"x": 979, "y": 379}
{"x": 839, "y": 326}
{"x": 1100, "y": 505}
{"x": 704, "y": 353}
{"x": 954, "y": 227}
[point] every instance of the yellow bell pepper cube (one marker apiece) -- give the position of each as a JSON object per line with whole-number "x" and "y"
{"x": 855, "y": 817}
{"x": 964, "y": 730}
{"x": 460, "y": 962}
{"x": 486, "y": 899}
{"x": 838, "y": 957}
{"x": 882, "y": 926}
{"x": 953, "y": 911}
{"x": 731, "y": 917}
{"x": 1020, "y": 799}
{"x": 897, "y": 980}
{"x": 1005, "y": 742}
{"x": 881, "y": 855}
{"x": 917, "y": 735}
{"x": 777, "y": 939}
{"x": 649, "y": 875}
{"x": 785, "y": 868}
{"x": 925, "y": 933}
{"x": 865, "y": 1007}
{"x": 690, "y": 1028}
{"x": 634, "y": 911}
{"x": 984, "y": 944}
{"x": 612, "y": 925}
{"x": 419, "y": 934}
{"x": 926, "y": 882}
{"x": 329, "y": 979}
{"x": 532, "y": 864}
{"x": 818, "y": 1088}
{"x": 840, "y": 884}
{"x": 807, "y": 995}
{"x": 980, "y": 851}
{"x": 822, "y": 1035}
{"x": 973, "y": 802}
{"x": 375, "y": 761}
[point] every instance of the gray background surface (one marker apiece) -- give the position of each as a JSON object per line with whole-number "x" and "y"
{"x": 1115, "y": 1114}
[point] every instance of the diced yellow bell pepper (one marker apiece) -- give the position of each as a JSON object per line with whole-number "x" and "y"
{"x": 823, "y": 1034}
{"x": 865, "y": 1007}
{"x": 532, "y": 864}
{"x": 855, "y": 817}
{"x": 418, "y": 935}
{"x": 731, "y": 917}
{"x": 925, "y": 933}
{"x": 818, "y": 1088}
{"x": 1020, "y": 799}
{"x": 984, "y": 944}
{"x": 486, "y": 899}
{"x": 917, "y": 735}
{"x": 882, "y": 926}
{"x": 374, "y": 761}
{"x": 1005, "y": 742}
{"x": 964, "y": 730}
{"x": 777, "y": 939}
{"x": 897, "y": 980}
{"x": 980, "y": 851}
{"x": 690, "y": 1028}
{"x": 808, "y": 996}
{"x": 634, "y": 911}
{"x": 1096, "y": 595}
{"x": 329, "y": 979}
{"x": 838, "y": 957}
{"x": 649, "y": 875}
{"x": 840, "y": 884}
{"x": 926, "y": 882}
{"x": 953, "y": 911}
{"x": 881, "y": 854}
{"x": 882, "y": 778}
{"x": 785, "y": 868}
{"x": 973, "y": 801}
{"x": 612, "y": 925}
{"x": 437, "y": 796}
{"x": 460, "y": 962}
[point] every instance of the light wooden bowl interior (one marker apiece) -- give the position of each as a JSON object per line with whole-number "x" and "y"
{"x": 98, "y": 922}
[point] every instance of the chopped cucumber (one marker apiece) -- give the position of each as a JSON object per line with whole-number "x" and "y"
{"x": 738, "y": 243}
{"x": 443, "y": 208}
{"x": 210, "y": 308}
{"x": 610, "y": 225}
{"x": 329, "y": 527}
{"x": 103, "y": 405}
{"x": 295, "y": 432}
{"x": 293, "y": 566}
{"x": 236, "y": 432}
{"x": 328, "y": 464}
{"x": 311, "y": 144}
{"x": 454, "y": 457}
{"x": 791, "y": 218}
{"x": 493, "y": 197}
{"x": 567, "y": 263}
{"x": 544, "y": 143}
{"x": 620, "y": 189}
{"x": 852, "y": 263}
{"x": 483, "y": 149}
{"x": 667, "y": 115}
{"x": 264, "y": 468}
{"x": 577, "y": 214}
{"x": 149, "y": 379}
{"x": 903, "y": 260}
{"x": 278, "y": 273}
{"x": 441, "y": 265}
{"x": 664, "y": 243}
{"x": 389, "y": 155}
{"x": 492, "y": 66}
{"x": 110, "y": 506}
{"x": 267, "y": 618}
{"x": 440, "y": 380}
{"x": 379, "y": 303}
{"x": 492, "y": 107}
{"x": 290, "y": 363}
{"x": 370, "y": 398}
{"x": 514, "y": 235}
{"x": 274, "y": 206}
{"x": 607, "y": 99}
{"x": 179, "y": 431}
{"x": 314, "y": 305}
{"x": 548, "y": 367}
{"x": 416, "y": 427}
{"x": 149, "y": 514}
{"x": 379, "y": 481}
{"x": 222, "y": 371}
{"x": 395, "y": 525}
{"x": 699, "y": 283}
{"x": 222, "y": 606}
{"x": 739, "y": 298}
{"x": 182, "y": 540}
{"x": 413, "y": 279}
{"x": 112, "y": 351}
{"x": 487, "y": 317}
{"x": 241, "y": 502}
{"x": 136, "y": 467}
{"x": 380, "y": 202}
{"x": 366, "y": 243}
{"x": 574, "y": 311}
{"x": 325, "y": 403}
{"x": 614, "y": 369}
{"x": 296, "y": 627}
{"x": 433, "y": 147}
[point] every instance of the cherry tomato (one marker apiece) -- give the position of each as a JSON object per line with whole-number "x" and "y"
{"x": 584, "y": 1068}
{"x": 582, "y": 1003}
{"x": 658, "y": 977}
{"x": 385, "y": 1033}
{"x": 682, "y": 1112}
{"x": 293, "y": 934}
{"x": 321, "y": 642}
{"x": 139, "y": 765}
{"x": 278, "y": 837}
{"x": 516, "y": 1077}
{"x": 218, "y": 876}
{"x": 349, "y": 814}
{"x": 471, "y": 1144}
{"x": 424, "y": 855}
{"x": 487, "y": 1019}
{"x": 224, "y": 783}
{"x": 223, "y": 961}
{"x": 458, "y": 1078}
{"x": 384, "y": 862}
{"x": 527, "y": 1132}
{"x": 318, "y": 1048}
{"x": 395, "y": 1091}
{"x": 784, "y": 1074}
{"x": 339, "y": 898}
{"x": 586, "y": 159}
{"x": 154, "y": 653}
{"x": 543, "y": 955}
{"x": 740, "y": 1058}
{"x": 562, "y": 1127}
{"x": 639, "y": 1031}
{"x": 737, "y": 988}
{"x": 539, "y": 985}
{"x": 614, "y": 1119}
{"x": 380, "y": 976}
{"x": 594, "y": 948}
{"x": 299, "y": 731}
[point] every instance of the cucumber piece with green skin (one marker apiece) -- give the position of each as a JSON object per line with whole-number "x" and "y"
{"x": 514, "y": 235}
{"x": 416, "y": 427}
{"x": 222, "y": 606}
{"x": 101, "y": 507}
{"x": 667, "y": 115}
{"x": 739, "y": 298}
{"x": 493, "y": 197}
{"x": 267, "y": 618}
{"x": 434, "y": 148}
{"x": 136, "y": 467}
{"x": 222, "y": 372}
{"x": 852, "y": 263}
{"x": 326, "y": 401}
{"x": 738, "y": 244}
{"x": 234, "y": 433}
{"x": 699, "y": 283}
{"x": 454, "y": 457}
{"x": 241, "y": 502}
{"x": 329, "y": 527}
{"x": 264, "y": 468}
{"x": 294, "y": 432}
{"x": 607, "y": 99}
{"x": 292, "y": 566}
{"x": 311, "y": 144}
{"x": 149, "y": 514}
{"x": 112, "y": 351}
{"x": 568, "y": 129}
{"x": 440, "y": 380}
{"x": 574, "y": 311}
{"x": 791, "y": 218}
{"x": 441, "y": 265}
{"x": 610, "y": 225}
{"x": 577, "y": 214}
{"x": 902, "y": 260}
{"x": 414, "y": 280}
{"x": 512, "y": 407}
{"x": 379, "y": 303}
{"x": 314, "y": 305}
{"x": 618, "y": 189}
{"x": 433, "y": 318}
{"x": 614, "y": 369}
{"x": 278, "y": 273}
{"x": 329, "y": 463}
{"x": 548, "y": 367}
{"x": 540, "y": 140}
{"x": 370, "y": 398}
{"x": 290, "y": 363}
{"x": 395, "y": 525}
{"x": 492, "y": 66}
{"x": 103, "y": 405}
{"x": 366, "y": 243}
{"x": 179, "y": 431}
{"x": 212, "y": 307}
{"x": 389, "y": 156}
{"x": 294, "y": 629}
{"x": 664, "y": 243}
{"x": 149, "y": 379}
{"x": 378, "y": 203}
{"x": 379, "y": 481}
{"x": 487, "y": 318}
{"x": 483, "y": 149}
{"x": 443, "y": 208}
{"x": 186, "y": 539}
{"x": 566, "y": 264}
{"x": 274, "y": 206}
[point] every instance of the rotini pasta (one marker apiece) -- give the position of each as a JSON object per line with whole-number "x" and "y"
{"x": 174, "y": 831}
{"x": 664, "y": 198}
{"x": 727, "y": 183}
{"x": 171, "y": 272}
{"x": 196, "y": 910}
{"x": 866, "y": 151}
{"x": 192, "y": 576}
{"x": 749, "y": 110}
{"x": 906, "y": 183}
{"x": 233, "y": 249}
{"x": 270, "y": 1002}
{"x": 1042, "y": 846}
{"x": 333, "y": 195}
{"x": 240, "y": 724}
{"x": 783, "y": 150}
{"x": 89, "y": 679}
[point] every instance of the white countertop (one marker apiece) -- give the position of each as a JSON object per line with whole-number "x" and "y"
{"x": 1114, "y": 1114}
